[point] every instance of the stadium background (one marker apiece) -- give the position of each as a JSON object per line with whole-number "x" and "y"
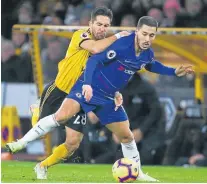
{"x": 184, "y": 100}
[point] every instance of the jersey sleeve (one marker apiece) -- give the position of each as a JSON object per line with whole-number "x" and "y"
{"x": 157, "y": 67}
{"x": 110, "y": 54}
{"x": 79, "y": 37}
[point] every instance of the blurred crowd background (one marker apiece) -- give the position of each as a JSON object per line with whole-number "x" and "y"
{"x": 147, "y": 113}
{"x": 169, "y": 13}
{"x": 15, "y": 46}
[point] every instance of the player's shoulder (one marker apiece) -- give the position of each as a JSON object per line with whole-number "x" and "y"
{"x": 124, "y": 42}
{"x": 83, "y": 33}
{"x": 127, "y": 39}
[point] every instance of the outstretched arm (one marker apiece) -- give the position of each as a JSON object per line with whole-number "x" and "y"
{"x": 159, "y": 68}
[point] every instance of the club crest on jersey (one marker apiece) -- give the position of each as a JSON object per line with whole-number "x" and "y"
{"x": 111, "y": 54}
{"x": 84, "y": 35}
{"x": 142, "y": 66}
{"x": 78, "y": 95}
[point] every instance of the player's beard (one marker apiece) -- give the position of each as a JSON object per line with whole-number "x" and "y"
{"x": 98, "y": 36}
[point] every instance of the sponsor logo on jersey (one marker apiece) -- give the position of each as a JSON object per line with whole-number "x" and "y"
{"x": 121, "y": 68}
{"x": 129, "y": 72}
{"x": 111, "y": 54}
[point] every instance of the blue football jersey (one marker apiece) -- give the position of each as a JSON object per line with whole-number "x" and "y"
{"x": 112, "y": 69}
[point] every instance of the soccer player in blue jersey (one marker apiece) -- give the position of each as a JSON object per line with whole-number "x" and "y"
{"x": 105, "y": 74}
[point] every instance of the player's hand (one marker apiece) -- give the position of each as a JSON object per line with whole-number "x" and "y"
{"x": 184, "y": 70}
{"x": 87, "y": 92}
{"x": 124, "y": 33}
{"x": 118, "y": 99}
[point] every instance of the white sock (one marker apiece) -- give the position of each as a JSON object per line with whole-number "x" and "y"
{"x": 43, "y": 126}
{"x": 130, "y": 151}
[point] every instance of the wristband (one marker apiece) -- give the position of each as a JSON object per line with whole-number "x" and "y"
{"x": 117, "y": 35}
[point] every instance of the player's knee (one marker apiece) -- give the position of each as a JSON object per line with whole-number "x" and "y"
{"x": 68, "y": 109}
{"x": 61, "y": 115}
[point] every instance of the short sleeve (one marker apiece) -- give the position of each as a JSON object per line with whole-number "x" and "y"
{"x": 79, "y": 37}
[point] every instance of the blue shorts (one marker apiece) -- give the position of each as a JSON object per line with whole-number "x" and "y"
{"x": 101, "y": 105}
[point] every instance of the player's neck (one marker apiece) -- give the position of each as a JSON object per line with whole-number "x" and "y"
{"x": 138, "y": 50}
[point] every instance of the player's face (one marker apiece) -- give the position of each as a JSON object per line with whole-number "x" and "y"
{"x": 99, "y": 27}
{"x": 145, "y": 35}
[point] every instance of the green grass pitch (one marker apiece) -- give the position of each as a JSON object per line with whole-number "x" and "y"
{"x": 22, "y": 172}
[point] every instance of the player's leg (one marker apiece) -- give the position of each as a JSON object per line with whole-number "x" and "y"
{"x": 74, "y": 136}
{"x": 68, "y": 109}
{"x": 128, "y": 144}
{"x": 65, "y": 150}
{"x": 125, "y": 136}
{"x": 117, "y": 122}
{"x": 50, "y": 105}
{"x": 72, "y": 141}
{"x": 61, "y": 153}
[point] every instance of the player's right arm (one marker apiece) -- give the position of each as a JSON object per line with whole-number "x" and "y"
{"x": 110, "y": 54}
{"x": 97, "y": 46}
{"x": 106, "y": 56}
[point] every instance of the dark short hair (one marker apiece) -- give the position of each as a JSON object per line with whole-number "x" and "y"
{"x": 104, "y": 11}
{"x": 147, "y": 20}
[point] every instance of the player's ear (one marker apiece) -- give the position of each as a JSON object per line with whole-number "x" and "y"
{"x": 90, "y": 23}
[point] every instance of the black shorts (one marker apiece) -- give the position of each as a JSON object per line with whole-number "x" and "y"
{"x": 51, "y": 100}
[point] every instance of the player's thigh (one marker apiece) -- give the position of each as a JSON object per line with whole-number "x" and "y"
{"x": 77, "y": 122}
{"x": 121, "y": 130}
{"x": 107, "y": 114}
{"x": 67, "y": 110}
{"x": 115, "y": 121}
{"x": 73, "y": 139}
{"x": 51, "y": 100}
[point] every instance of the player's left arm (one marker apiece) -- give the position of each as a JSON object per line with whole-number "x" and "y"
{"x": 97, "y": 46}
{"x": 157, "y": 67}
